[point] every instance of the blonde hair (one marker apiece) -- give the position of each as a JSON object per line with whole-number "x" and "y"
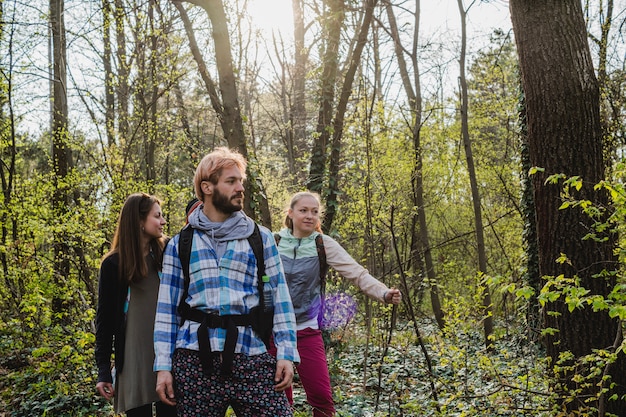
{"x": 288, "y": 222}
{"x": 211, "y": 166}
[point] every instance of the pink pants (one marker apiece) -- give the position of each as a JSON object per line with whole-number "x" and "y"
{"x": 313, "y": 372}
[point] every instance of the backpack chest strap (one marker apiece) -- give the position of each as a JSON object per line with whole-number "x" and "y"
{"x": 215, "y": 321}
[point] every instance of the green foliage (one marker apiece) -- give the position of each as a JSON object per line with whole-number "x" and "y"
{"x": 510, "y": 381}
{"x": 47, "y": 353}
{"x": 47, "y": 363}
{"x": 584, "y": 380}
{"x": 46, "y": 350}
{"x": 55, "y": 379}
{"x": 511, "y": 377}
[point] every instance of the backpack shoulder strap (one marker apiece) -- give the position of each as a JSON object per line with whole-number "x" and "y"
{"x": 256, "y": 243}
{"x": 321, "y": 254}
{"x": 184, "y": 253}
{"x": 264, "y": 317}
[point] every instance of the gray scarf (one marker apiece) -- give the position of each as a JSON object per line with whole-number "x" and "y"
{"x": 237, "y": 226}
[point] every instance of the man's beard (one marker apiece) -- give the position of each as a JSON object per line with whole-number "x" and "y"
{"x": 224, "y": 203}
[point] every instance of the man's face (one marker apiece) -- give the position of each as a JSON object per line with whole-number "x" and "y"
{"x": 227, "y": 194}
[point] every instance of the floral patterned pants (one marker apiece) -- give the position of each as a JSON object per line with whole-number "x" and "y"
{"x": 249, "y": 390}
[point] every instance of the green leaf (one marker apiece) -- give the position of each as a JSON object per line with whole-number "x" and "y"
{"x": 526, "y": 292}
{"x": 549, "y": 331}
{"x": 618, "y": 311}
{"x": 599, "y": 303}
{"x": 573, "y": 303}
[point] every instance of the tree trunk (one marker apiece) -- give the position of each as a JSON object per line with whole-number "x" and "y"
{"x": 610, "y": 139}
{"x": 342, "y": 104}
{"x": 287, "y": 110}
{"x": 332, "y": 23}
{"x": 202, "y": 68}
{"x": 152, "y": 130}
{"x": 532, "y": 277}
{"x": 123, "y": 89}
{"x": 420, "y": 247}
{"x": 298, "y": 108}
{"x": 232, "y": 123}
{"x": 109, "y": 91}
{"x": 61, "y": 159}
{"x": 565, "y": 137}
{"x": 478, "y": 220}
{"x": 8, "y": 155}
{"x": 192, "y": 142}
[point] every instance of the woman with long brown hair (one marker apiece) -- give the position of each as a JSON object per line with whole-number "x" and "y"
{"x": 128, "y": 287}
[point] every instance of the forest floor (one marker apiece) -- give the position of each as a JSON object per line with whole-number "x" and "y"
{"x": 375, "y": 376}
{"x": 463, "y": 379}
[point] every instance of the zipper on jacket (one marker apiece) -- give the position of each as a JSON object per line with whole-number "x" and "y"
{"x": 295, "y": 249}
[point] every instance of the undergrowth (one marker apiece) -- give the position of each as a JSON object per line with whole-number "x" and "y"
{"x": 380, "y": 374}
{"x": 466, "y": 379}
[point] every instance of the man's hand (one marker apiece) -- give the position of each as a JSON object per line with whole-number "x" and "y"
{"x": 284, "y": 375}
{"x": 165, "y": 387}
{"x": 105, "y": 389}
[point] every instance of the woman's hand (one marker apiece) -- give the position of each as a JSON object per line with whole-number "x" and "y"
{"x": 393, "y": 296}
{"x": 105, "y": 389}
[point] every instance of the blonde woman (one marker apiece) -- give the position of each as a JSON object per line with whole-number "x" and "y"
{"x": 298, "y": 252}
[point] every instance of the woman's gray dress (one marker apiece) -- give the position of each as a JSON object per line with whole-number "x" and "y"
{"x": 137, "y": 383}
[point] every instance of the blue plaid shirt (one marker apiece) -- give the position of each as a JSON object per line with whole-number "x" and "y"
{"x": 225, "y": 287}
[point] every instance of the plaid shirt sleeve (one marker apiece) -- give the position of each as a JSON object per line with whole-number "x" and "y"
{"x": 166, "y": 323}
{"x": 284, "y": 330}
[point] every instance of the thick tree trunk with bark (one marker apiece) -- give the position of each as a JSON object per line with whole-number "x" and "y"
{"x": 532, "y": 277}
{"x": 227, "y": 103}
{"x": 565, "y": 137}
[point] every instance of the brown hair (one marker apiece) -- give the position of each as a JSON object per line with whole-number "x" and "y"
{"x": 288, "y": 222}
{"x": 211, "y": 166}
{"x": 126, "y": 242}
